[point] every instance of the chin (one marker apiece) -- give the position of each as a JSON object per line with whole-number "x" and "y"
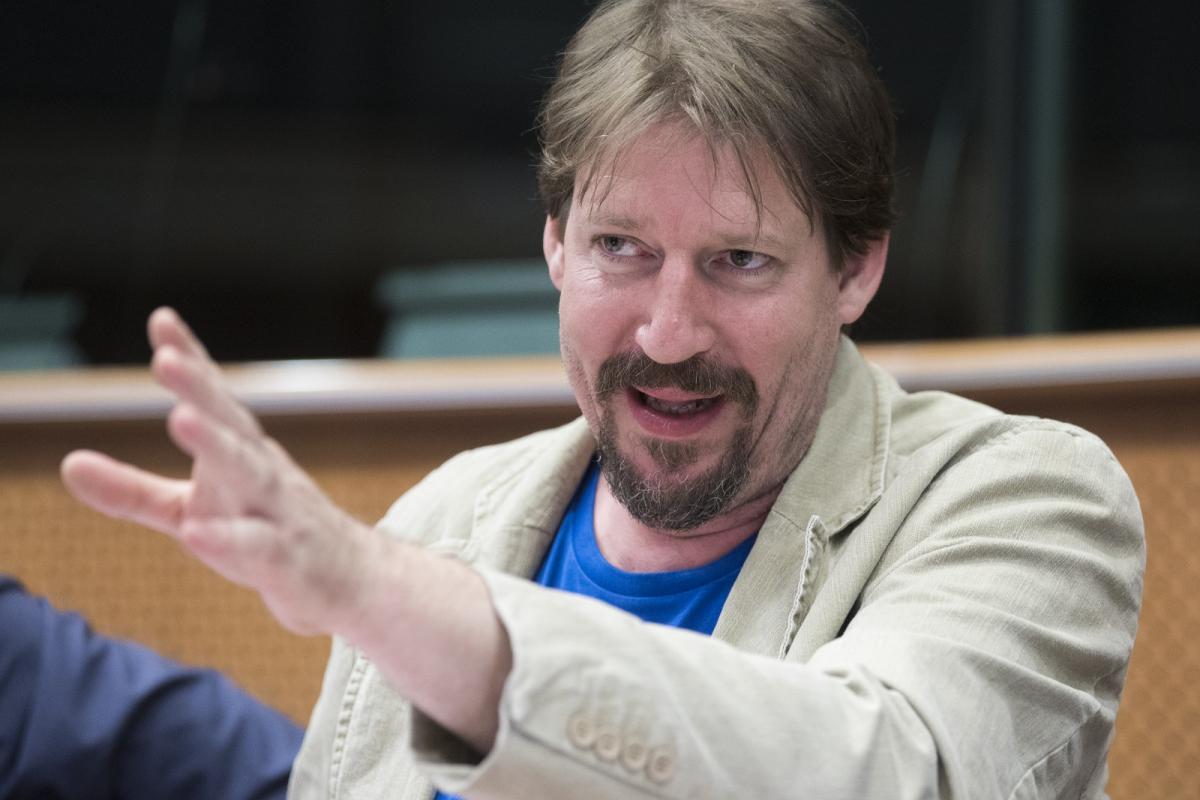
{"x": 677, "y": 492}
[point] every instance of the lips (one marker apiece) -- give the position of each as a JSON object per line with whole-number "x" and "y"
{"x": 678, "y": 409}
{"x": 671, "y": 413}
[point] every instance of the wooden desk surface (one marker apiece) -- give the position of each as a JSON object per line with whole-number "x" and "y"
{"x": 317, "y": 387}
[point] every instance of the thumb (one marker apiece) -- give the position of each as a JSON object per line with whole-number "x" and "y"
{"x": 123, "y": 491}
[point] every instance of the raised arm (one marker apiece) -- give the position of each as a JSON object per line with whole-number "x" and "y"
{"x": 254, "y": 516}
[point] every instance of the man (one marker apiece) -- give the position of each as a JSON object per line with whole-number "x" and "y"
{"x": 907, "y": 595}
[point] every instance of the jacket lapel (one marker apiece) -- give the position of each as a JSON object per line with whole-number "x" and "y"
{"x": 838, "y": 480}
{"x": 518, "y": 513}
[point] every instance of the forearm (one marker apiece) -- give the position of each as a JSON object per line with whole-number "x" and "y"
{"x": 428, "y": 625}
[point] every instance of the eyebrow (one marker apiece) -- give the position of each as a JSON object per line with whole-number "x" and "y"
{"x": 731, "y": 241}
{"x": 737, "y": 242}
{"x": 616, "y": 221}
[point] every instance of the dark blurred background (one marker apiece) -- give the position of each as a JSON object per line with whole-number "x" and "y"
{"x": 304, "y": 179}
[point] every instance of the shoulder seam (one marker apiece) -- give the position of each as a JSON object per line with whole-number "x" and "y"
{"x": 1037, "y": 425}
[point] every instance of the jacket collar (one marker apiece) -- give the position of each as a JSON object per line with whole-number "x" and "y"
{"x": 518, "y": 512}
{"x": 838, "y": 480}
{"x": 842, "y": 474}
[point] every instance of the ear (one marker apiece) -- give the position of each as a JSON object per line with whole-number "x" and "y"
{"x": 859, "y": 280}
{"x": 552, "y": 247}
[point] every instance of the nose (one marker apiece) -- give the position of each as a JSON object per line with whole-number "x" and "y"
{"x": 676, "y": 323}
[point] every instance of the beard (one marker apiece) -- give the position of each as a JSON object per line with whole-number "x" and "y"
{"x": 679, "y": 504}
{"x": 668, "y": 500}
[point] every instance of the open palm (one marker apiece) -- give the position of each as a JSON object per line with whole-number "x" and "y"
{"x": 248, "y": 511}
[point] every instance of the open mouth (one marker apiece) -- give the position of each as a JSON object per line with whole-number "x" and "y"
{"x": 680, "y": 409}
{"x": 672, "y": 413}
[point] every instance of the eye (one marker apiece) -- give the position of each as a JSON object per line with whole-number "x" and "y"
{"x": 746, "y": 260}
{"x": 617, "y": 246}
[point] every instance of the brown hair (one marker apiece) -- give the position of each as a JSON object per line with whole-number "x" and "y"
{"x": 789, "y": 77}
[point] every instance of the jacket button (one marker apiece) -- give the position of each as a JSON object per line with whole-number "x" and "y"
{"x": 635, "y": 755}
{"x": 581, "y": 731}
{"x": 660, "y": 766}
{"x": 608, "y": 744}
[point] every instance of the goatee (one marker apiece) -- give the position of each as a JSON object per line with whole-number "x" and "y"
{"x": 667, "y": 501}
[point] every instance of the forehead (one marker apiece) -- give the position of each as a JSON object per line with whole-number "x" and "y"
{"x": 670, "y": 170}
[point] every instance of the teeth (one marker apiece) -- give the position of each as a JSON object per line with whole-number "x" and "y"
{"x": 677, "y": 408}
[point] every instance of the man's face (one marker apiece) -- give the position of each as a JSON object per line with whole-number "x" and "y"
{"x": 698, "y": 336}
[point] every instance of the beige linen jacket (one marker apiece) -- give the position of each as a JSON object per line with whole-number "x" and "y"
{"x": 941, "y": 603}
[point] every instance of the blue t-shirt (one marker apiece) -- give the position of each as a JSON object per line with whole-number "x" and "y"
{"x": 688, "y": 598}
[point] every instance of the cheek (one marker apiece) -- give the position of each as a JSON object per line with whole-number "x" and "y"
{"x": 576, "y": 375}
{"x": 588, "y": 334}
{"x": 593, "y": 317}
{"x": 581, "y": 386}
{"x": 794, "y": 371}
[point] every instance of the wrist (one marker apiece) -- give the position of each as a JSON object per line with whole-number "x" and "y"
{"x": 371, "y": 596}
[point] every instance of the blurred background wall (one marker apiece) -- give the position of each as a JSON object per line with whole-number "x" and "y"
{"x": 311, "y": 179}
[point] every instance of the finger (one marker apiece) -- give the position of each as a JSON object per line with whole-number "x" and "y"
{"x": 232, "y": 465}
{"x": 195, "y": 370}
{"x": 124, "y": 491}
{"x": 166, "y": 327}
{"x": 198, "y": 381}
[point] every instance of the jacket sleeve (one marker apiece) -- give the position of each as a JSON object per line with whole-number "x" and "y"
{"x": 985, "y": 660}
{"x": 85, "y": 716}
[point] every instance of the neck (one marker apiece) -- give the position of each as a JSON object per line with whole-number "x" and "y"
{"x": 632, "y": 546}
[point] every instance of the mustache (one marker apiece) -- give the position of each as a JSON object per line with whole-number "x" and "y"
{"x": 699, "y": 375}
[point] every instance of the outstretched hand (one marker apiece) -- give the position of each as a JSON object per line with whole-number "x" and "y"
{"x": 255, "y": 517}
{"x": 248, "y": 511}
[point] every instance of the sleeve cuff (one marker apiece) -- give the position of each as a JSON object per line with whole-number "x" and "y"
{"x": 535, "y": 753}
